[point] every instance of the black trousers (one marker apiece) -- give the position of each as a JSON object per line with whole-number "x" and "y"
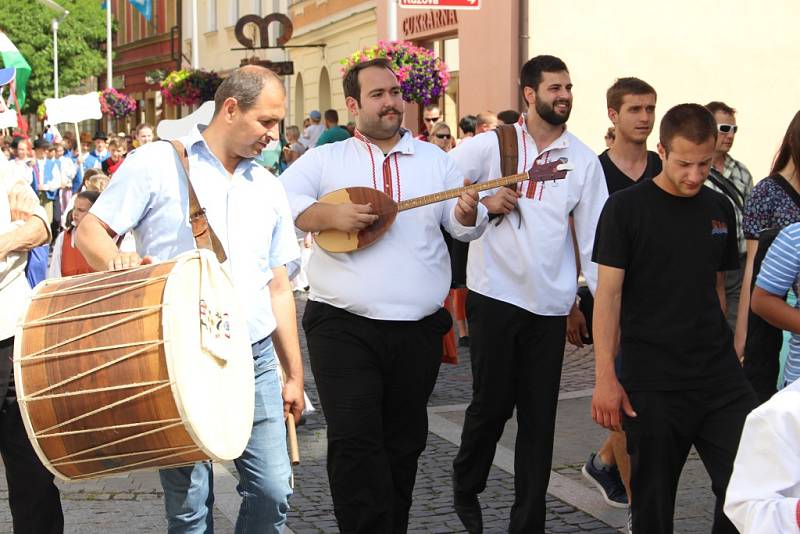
{"x": 667, "y": 424}
{"x": 34, "y": 500}
{"x": 516, "y": 361}
{"x": 374, "y": 379}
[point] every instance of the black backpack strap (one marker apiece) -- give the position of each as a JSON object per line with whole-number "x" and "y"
{"x": 787, "y": 187}
{"x": 727, "y": 188}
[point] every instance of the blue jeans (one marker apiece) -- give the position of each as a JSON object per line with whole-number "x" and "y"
{"x": 263, "y": 467}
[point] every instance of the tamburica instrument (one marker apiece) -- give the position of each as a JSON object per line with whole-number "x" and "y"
{"x": 387, "y": 209}
{"x": 139, "y": 369}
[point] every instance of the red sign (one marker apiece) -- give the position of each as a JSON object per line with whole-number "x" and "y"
{"x": 440, "y": 4}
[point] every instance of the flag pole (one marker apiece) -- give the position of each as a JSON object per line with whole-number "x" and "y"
{"x": 109, "y": 73}
{"x": 195, "y": 38}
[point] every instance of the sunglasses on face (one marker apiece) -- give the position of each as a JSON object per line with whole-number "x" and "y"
{"x": 443, "y": 136}
{"x": 727, "y": 128}
{"x": 431, "y": 119}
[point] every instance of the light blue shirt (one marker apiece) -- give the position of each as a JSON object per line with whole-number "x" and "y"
{"x": 780, "y": 272}
{"x": 248, "y": 211}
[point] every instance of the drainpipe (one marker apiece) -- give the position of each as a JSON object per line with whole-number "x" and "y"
{"x": 524, "y": 39}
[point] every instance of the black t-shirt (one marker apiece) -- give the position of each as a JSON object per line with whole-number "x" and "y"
{"x": 616, "y": 180}
{"x": 673, "y": 333}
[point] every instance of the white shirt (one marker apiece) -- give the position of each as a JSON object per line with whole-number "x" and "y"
{"x": 48, "y": 183}
{"x": 54, "y": 271}
{"x": 248, "y": 211}
{"x": 764, "y": 489}
{"x": 68, "y": 170}
{"x": 14, "y": 287}
{"x": 531, "y": 263}
{"x": 406, "y": 274}
{"x": 311, "y": 135}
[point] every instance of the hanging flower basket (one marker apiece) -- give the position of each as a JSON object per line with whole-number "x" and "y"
{"x": 423, "y": 76}
{"x": 189, "y": 87}
{"x": 115, "y": 104}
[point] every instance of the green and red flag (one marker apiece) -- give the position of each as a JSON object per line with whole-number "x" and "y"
{"x": 11, "y": 58}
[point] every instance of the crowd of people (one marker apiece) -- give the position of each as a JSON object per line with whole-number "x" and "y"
{"x": 672, "y": 263}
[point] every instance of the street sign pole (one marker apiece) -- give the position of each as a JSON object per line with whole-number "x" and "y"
{"x": 391, "y": 20}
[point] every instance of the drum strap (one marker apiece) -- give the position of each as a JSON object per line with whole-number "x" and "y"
{"x": 204, "y": 235}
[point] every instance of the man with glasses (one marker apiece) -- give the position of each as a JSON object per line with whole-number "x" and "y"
{"x": 430, "y": 116}
{"x": 731, "y": 178}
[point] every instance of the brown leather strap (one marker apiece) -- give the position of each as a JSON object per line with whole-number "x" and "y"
{"x": 509, "y": 151}
{"x": 204, "y": 236}
{"x": 509, "y": 159}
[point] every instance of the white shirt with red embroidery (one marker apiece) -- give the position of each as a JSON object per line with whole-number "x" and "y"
{"x": 763, "y": 494}
{"x": 406, "y": 274}
{"x": 528, "y": 259}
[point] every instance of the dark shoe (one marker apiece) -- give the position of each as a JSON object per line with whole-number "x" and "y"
{"x": 468, "y": 510}
{"x": 608, "y": 482}
{"x": 463, "y": 341}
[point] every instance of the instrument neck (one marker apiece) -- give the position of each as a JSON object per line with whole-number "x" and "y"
{"x": 457, "y": 192}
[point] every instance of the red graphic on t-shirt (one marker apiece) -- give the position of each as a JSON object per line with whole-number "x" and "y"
{"x": 718, "y": 227}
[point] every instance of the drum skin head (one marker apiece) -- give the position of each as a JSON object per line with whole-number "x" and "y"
{"x": 215, "y": 399}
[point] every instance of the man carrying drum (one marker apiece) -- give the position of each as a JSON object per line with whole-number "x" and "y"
{"x": 247, "y": 209}
{"x": 35, "y": 504}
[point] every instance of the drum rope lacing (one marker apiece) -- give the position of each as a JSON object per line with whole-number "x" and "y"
{"x": 133, "y": 313}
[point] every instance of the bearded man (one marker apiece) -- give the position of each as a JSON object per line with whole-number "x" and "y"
{"x": 522, "y": 279}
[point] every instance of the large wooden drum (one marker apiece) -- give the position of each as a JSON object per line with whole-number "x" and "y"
{"x": 145, "y": 368}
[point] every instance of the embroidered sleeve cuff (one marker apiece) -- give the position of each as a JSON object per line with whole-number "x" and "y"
{"x": 468, "y": 233}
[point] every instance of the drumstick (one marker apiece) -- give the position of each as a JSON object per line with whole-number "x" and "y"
{"x": 291, "y": 430}
{"x": 291, "y": 436}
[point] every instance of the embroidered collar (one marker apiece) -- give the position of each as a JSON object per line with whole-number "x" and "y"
{"x": 404, "y": 146}
{"x": 560, "y": 143}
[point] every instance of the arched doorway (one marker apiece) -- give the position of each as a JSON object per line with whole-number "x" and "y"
{"x": 324, "y": 90}
{"x": 299, "y": 101}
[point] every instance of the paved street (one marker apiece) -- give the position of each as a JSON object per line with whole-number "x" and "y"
{"x": 134, "y": 503}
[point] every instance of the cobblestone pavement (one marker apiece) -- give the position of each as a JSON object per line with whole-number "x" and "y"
{"x": 135, "y": 503}
{"x": 312, "y": 509}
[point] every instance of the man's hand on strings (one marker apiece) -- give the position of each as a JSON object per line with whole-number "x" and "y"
{"x": 467, "y": 207}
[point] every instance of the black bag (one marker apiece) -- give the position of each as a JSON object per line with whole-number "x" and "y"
{"x": 762, "y": 348}
{"x": 763, "y": 345}
{"x": 586, "y": 305}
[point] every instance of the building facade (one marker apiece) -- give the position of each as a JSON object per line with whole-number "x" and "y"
{"x": 328, "y": 31}
{"x": 690, "y": 51}
{"x": 481, "y": 49}
{"x": 142, "y": 47}
{"x": 216, "y": 21}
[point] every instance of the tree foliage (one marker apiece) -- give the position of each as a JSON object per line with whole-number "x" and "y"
{"x": 28, "y": 24}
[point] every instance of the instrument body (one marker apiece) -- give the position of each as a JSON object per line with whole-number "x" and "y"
{"x": 386, "y": 208}
{"x": 112, "y": 376}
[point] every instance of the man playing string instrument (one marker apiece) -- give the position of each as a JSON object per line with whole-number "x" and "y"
{"x": 374, "y": 320}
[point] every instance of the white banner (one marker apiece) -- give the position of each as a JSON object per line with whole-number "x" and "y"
{"x": 73, "y": 108}
{"x": 8, "y": 119}
{"x": 172, "y": 129}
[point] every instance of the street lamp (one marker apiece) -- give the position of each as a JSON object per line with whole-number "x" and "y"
{"x": 54, "y": 24}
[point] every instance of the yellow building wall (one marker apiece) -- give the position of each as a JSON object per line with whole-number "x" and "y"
{"x": 741, "y": 52}
{"x": 341, "y": 38}
{"x": 216, "y": 44}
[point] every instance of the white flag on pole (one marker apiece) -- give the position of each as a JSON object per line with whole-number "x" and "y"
{"x": 8, "y": 119}
{"x": 73, "y": 108}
